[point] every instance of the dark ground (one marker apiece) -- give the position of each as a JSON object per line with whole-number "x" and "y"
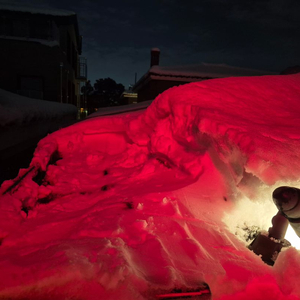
{"x": 17, "y": 157}
{"x": 10, "y": 166}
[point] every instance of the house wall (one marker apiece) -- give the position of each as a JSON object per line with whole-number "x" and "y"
{"x": 70, "y": 63}
{"x": 24, "y": 59}
{"x": 46, "y": 64}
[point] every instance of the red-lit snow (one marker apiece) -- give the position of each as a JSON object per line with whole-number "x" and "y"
{"x": 143, "y": 202}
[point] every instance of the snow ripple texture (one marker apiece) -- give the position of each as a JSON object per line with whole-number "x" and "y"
{"x": 129, "y": 206}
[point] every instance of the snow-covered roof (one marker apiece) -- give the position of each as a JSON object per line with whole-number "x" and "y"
{"x": 206, "y": 70}
{"x": 56, "y": 14}
{"x": 35, "y": 10}
{"x": 196, "y": 72}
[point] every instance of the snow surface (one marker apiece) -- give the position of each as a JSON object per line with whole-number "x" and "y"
{"x": 132, "y": 205}
{"x": 16, "y": 109}
{"x": 112, "y": 110}
{"x": 206, "y": 70}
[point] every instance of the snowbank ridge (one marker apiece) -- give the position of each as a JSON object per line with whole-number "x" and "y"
{"x": 131, "y": 205}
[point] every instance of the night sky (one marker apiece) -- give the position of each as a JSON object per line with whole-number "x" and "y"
{"x": 118, "y": 34}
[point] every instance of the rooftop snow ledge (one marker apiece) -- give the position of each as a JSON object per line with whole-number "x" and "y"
{"x": 50, "y": 43}
{"x": 34, "y": 10}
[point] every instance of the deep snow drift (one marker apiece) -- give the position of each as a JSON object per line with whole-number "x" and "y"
{"x": 24, "y": 120}
{"x": 128, "y": 206}
{"x": 18, "y": 110}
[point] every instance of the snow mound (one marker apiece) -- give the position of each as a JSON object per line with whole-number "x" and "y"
{"x": 132, "y": 205}
{"x": 16, "y": 109}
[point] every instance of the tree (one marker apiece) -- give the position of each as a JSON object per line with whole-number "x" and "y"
{"x": 109, "y": 91}
{"x": 87, "y": 89}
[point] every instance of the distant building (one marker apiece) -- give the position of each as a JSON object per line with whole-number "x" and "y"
{"x": 40, "y": 51}
{"x": 128, "y": 97}
{"x": 160, "y": 78}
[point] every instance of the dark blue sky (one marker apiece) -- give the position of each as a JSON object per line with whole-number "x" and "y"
{"x": 118, "y": 34}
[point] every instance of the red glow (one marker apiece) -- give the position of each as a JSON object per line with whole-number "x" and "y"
{"x": 129, "y": 204}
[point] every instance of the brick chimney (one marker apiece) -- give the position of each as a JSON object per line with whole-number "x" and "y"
{"x": 154, "y": 57}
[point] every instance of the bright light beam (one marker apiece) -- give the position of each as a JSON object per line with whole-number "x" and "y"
{"x": 292, "y": 237}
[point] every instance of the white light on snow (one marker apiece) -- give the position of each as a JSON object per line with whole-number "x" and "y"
{"x": 292, "y": 237}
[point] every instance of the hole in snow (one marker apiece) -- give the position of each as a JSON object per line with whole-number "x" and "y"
{"x": 129, "y": 205}
{"x": 46, "y": 199}
{"x": 162, "y": 159}
{"x": 54, "y": 158}
{"x": 104, "y": 188}
{"x": 39, "y": 177}
{"x": 163, "y": 162}
{"x": 25, "y": 209}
